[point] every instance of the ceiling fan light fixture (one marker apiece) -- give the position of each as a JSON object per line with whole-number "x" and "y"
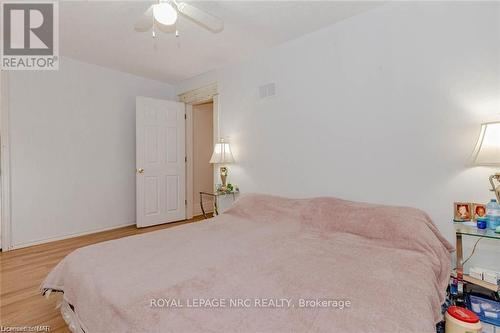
{"x": 165, "y": 13}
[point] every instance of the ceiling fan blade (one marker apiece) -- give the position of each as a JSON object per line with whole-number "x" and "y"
{"x": 200, "y": 17}
{"x": 145, "y": 22}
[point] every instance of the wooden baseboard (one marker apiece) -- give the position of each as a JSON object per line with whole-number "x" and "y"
{"x": 53, "y": 239}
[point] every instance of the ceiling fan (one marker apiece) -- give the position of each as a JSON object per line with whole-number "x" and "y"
{"x": 163, "y": 16}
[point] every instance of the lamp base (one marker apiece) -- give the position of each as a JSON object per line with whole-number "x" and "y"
{"x": 495, "y": 188}
{"x": 223, "y": 176}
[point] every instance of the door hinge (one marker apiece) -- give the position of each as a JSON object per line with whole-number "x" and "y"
{"x": 185, "y": 116}
{"x": 185, "y": 159}
{"x": 185, "y": 202}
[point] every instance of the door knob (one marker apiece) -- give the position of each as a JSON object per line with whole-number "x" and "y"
{"x": 140, "y": 171}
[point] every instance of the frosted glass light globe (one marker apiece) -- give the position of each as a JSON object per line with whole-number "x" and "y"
{"x": 164, "y": 13}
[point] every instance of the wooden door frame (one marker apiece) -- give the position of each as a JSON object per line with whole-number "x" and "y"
{"x": 5, "y": 218}
{"x": 197, "y": 96}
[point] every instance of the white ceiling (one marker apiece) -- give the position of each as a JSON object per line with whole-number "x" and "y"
{"x": 102, "y": 33}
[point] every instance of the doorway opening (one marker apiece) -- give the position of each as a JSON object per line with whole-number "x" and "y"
{"x": 203, "y": 139}
{"x": 202, "y": 132}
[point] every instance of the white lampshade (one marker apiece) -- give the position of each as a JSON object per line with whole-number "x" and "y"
{"x": 487, "y": 151}
{"x": 222, "y": 153}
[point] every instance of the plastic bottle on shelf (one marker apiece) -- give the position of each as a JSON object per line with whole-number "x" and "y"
{"x": 493, "y": 214}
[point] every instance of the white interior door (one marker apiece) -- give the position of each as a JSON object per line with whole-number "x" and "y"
{"x": 161, "y": 173}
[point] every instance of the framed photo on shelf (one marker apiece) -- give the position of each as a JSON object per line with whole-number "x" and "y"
{"x": 478, "y": 210}
{"x": 462, "y": 211}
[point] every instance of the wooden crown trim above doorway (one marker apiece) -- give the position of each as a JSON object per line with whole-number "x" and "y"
{"x": 200, "y": 95}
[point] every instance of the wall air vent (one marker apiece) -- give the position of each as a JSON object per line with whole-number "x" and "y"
{"x": 267, "y": 90}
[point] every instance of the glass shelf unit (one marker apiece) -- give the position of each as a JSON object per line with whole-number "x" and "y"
{"x": 470, "y": 229}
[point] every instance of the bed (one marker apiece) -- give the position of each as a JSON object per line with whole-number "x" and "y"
{"x": 268, "y": 264}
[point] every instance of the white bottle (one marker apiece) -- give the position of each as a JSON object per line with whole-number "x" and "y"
{"x": 493, "y": 214}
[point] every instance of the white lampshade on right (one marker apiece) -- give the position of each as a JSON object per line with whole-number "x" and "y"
{"x": 487, "y": 150}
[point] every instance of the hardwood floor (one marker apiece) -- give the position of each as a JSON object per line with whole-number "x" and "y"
{"x": 22, "y": 272}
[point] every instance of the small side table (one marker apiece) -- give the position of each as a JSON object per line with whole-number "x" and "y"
{"x": 216, "y": 196}
{"x": 466, "y": 229}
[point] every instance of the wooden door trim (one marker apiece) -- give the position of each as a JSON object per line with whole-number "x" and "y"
{"x": 189, "y": 162}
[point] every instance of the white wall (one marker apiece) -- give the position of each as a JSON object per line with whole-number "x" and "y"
{"x": 382, "y": 107}
{"x": 73, "y": 149}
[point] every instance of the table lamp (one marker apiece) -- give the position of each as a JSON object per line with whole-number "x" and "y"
{"x": 222, "y": 155}
{"x": 487, "y": 152}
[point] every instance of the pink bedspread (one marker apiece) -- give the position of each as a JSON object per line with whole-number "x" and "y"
{"x": 255, "y": 266}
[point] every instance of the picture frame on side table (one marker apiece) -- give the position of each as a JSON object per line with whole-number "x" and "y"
{"x": 462, "y": 211}
{"x": 478, "y": 211}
